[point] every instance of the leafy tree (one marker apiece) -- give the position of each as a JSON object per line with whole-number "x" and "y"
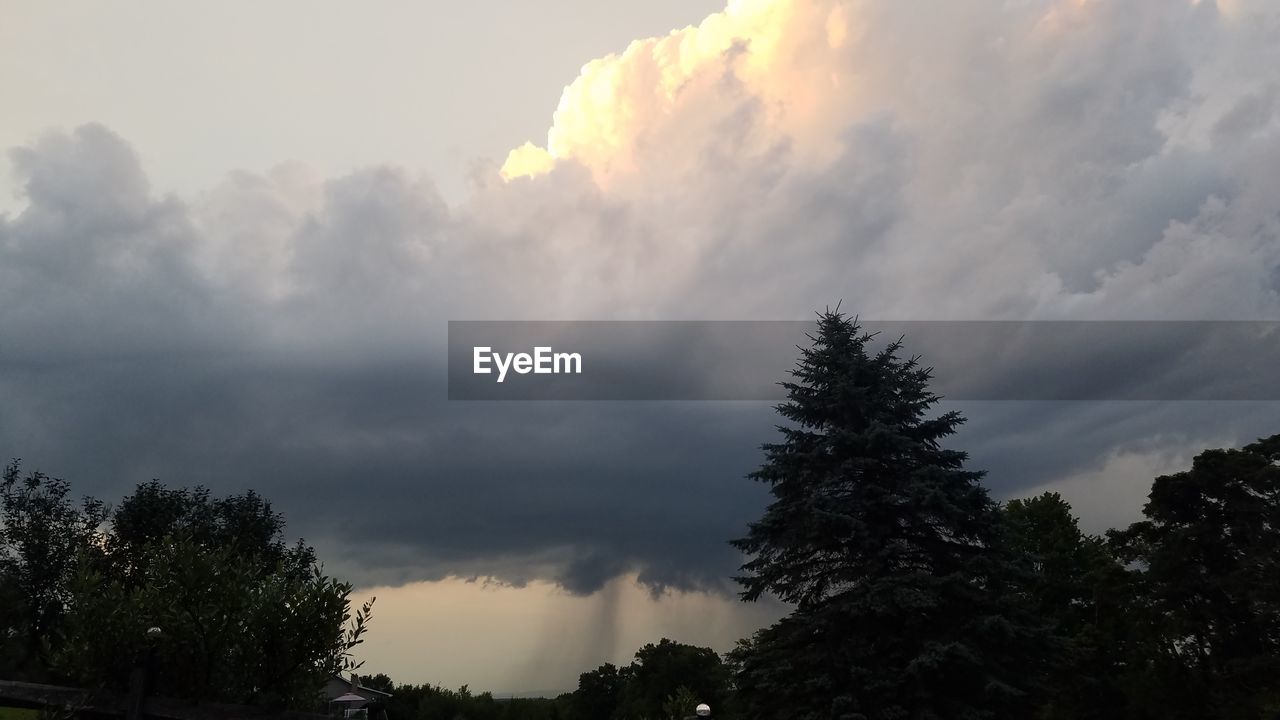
{"x": 1207, "y": 563}
{"x": 1073, "y": 580}
{"x": 681, "y": 705}
{"x": 599, "y": 693}
{"x": 889, "y": 549}
{"x": 228, "y": 631}
{"x": 662, "y": 669}
{"x": 644, "y": 689}
{"x": 378, "y": 681}
{"x": 244, "y": 523}
{"x": 13, "y": 630}
{"x": 243, "y": 616}
{"x": 1042, "y": 532}
{"x": 42, "y": 533}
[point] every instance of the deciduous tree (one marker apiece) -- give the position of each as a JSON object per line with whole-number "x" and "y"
{"x": 42, "y": 533}
{"x": 1207, "y": 561}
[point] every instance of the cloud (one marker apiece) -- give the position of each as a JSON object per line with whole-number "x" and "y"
{"x": 1024, "y": 160}
{"x": 1066, "y": 151}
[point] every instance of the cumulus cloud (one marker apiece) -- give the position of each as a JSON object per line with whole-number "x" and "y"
{"x": 1022, "y": 160}
{"x": 1068, "y": 151}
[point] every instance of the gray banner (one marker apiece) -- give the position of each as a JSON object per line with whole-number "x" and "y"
{"x": 977, "y": 360}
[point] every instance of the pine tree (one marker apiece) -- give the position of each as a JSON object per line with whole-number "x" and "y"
{"x": 888, "y": 548}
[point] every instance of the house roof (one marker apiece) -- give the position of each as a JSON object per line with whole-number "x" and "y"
{"x": 362, "y": 688}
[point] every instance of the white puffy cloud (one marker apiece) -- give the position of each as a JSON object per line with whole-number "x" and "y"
{"x": 1034, "y": 159}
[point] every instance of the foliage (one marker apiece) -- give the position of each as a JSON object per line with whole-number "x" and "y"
{"x": 663, "y": 668}
{"x": 242, "y": 616}
{"x": 42, "y": 533}
{"x": 379, "y": 681}
{"x": 228, "y": 631}
{"x": 1073, "y": 580}
{"x": 888, "y": 548}
{"x": 660, "y": 674}
{"x": 431, "y": 702}
{"x": 244, "y": 524}
{"x": 599, "y": 693}
{"x": 1177, "y": 616}
{"x": 680, "y": 705}
{"x": 1207, "y": 570}
{"x": 775, "y": 666}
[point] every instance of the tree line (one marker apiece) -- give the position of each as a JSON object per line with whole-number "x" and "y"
{"x": 913, "y": 593}
{"x": 667, "y": 679}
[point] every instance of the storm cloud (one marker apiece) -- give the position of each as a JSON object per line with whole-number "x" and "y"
{"x": 1019, "y": 161}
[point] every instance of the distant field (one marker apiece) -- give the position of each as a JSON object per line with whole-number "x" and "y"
{"x": 12, "y": 713}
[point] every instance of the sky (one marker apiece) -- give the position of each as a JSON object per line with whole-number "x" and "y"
{"x": 233, "y": 234}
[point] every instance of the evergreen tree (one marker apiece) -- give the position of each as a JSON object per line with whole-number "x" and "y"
{"x": 889, "y": 549}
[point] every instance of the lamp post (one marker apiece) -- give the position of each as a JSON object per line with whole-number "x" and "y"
{"x": 140, "y": 680}
{"x": 703, "y": 710}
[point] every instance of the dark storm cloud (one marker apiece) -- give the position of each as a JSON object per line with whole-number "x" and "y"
{"x": 125, "y": 359}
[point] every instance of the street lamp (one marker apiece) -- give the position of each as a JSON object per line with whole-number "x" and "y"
{"x": 141, "y": 678}
{"x": 703, "y": 710}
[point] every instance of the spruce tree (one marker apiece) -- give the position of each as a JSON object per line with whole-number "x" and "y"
{"x": 887, "y": 546}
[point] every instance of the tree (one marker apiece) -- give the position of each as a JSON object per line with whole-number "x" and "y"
{"x": 242, "y": 616}
{"x": 680, "y": 705}
{"x": 776, "y": 667}
{"x": 643, "y": 690}
{"x": 379, "y": 681}
{"x": 228, "y": 631}
{"x": 245, "y": 524}
{"x": 432, "y": 702}
{"x": 42, "y": 533}
{"x": 1073, "y": 580}
{"x": 1207, "y": 563}
{"x": 663, "y": 668}
{"x": 888, "y": 548}
{"x": 599, "y": 693}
